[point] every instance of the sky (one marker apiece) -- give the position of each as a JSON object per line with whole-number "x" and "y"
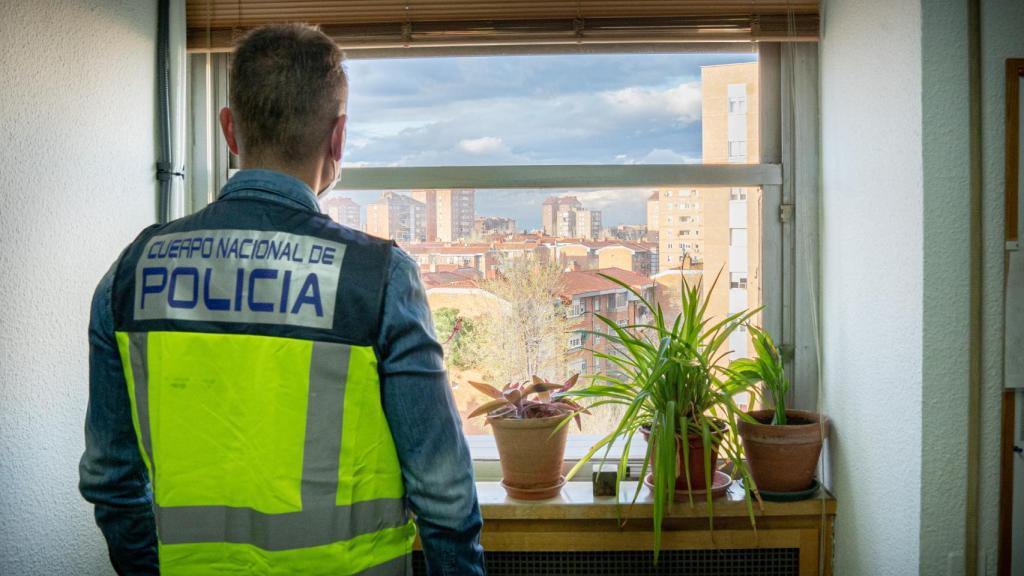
{"x": 559, "y": 109}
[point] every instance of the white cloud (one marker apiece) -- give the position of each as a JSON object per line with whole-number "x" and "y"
{"x": 483, "y": 145}
{"x": 681, "y": 102}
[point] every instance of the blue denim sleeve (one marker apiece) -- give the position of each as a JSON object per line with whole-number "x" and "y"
{"x": 112, "y": 474}
{"x": 436, "y": 465}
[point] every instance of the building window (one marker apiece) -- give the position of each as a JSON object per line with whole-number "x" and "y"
{"x": 597, "y": 304}
{"x": 737, "y": 280}
{"x": 738, "y": 149}
{"x": 737, "y": 194}
{"x": 577, "y": 309}
{"x": 620, "y": 300}
{"x": 575, "y": 341}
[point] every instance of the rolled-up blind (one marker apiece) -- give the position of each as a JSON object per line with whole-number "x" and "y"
{"x": 385, "y": 24}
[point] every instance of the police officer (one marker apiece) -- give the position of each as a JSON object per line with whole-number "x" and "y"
{"x": 266, "y": 392}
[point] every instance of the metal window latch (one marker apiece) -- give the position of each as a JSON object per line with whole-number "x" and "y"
{"x": 785, "y": 213}
{"x": 1018, "y": 449}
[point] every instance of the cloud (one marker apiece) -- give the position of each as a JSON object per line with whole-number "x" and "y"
{"x": 681, "y": 103}
{"x": 483, "y": 145}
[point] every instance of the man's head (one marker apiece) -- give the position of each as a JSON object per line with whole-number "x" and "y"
{"x": 287, "y": 92}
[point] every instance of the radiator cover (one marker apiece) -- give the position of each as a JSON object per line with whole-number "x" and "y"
{"x": 738, "y": 562}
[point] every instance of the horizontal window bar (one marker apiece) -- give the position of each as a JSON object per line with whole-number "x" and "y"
{"x": 562, "y": 176}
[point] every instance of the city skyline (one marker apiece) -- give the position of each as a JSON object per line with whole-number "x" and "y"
{"x": 556, "y": 109}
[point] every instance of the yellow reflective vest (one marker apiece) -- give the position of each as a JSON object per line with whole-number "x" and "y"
{"x": 249, "y": 356}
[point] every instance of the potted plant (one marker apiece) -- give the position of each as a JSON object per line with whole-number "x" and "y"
{"x": 676, "y": 388}
{"x": 529, "y": 420}
{"x": 782, "y": 446}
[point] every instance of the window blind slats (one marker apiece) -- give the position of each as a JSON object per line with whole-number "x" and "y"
{"x": 213, "y": 24}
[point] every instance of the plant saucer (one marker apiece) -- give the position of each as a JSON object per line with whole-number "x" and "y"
{"x": 790, "y": 496}
{"x": 541, "y": 493}
{"x": 719, "y": 487}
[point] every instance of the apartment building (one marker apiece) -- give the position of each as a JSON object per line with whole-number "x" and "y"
{"x": 344, "y": 211}
{"x": 714, "y": 229}
{"x": 397, "y": 216}
{"x": 586, "y": 294}
{"x": 491, "y": 225}
{"x": 450, "y": 213}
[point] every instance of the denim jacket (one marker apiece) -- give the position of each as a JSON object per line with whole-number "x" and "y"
{"x": 417, "y": 401}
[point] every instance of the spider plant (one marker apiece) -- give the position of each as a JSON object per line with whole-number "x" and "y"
{"x": 767, "y": 368}
{"x": 672, "y": 379}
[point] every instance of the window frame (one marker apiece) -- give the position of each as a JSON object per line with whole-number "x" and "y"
{"x": 787, "y": 74}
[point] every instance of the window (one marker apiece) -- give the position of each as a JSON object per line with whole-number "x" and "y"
{"x": 738, "y": 149}
{"x": 737, "y": 280}
{"x": 476, "y": 116}
{"x": 578, "y": 308}
{"x": 575, "y": 341}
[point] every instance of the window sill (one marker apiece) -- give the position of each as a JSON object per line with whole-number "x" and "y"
{"x": 577, "y": 502}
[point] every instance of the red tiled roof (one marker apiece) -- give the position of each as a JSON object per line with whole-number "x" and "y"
{"x": 583, "y": 281}
{"x": 448, "y": 280}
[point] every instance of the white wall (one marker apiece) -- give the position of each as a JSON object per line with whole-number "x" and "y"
{"x": 76, "y": 184}
{"x": 896, "y": 129}
{"x": 872, "y": 279}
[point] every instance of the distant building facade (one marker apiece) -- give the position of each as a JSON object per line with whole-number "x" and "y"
{"x": 566, "y": 217}
{"x": 397, "y": 216}
{"x": 488, "y": 225}
{"x": 450, "y": 213}
{"x": 344, "y": 211}
{"x": 701, "y": 230}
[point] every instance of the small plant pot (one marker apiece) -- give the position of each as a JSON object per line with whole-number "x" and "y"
{"x": 696, "y": 460}
{"x": 531, "y": 456}
{"x": 783, "y": 458}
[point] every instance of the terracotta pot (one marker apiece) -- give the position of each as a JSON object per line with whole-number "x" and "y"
{"x": 783, "y": 458}
{"x": 531, "y": 457}
{"x": 696, "y": 461}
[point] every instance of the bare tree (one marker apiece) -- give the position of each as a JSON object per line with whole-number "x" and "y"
{"x": 526, "y": 333}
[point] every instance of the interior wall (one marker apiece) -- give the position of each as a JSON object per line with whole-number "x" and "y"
{"x": 946, "y": 345}
{"x": 77, "y": 154}
{"x": 872, "y": 279}
{"x": 1001, "y": 38}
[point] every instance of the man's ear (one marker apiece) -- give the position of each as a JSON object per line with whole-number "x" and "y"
{"x": 227, "y": 126}
{"x": 338, "y": 138}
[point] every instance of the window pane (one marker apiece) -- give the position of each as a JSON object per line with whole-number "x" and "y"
{"x": 556, "y": 109}
{"x": 519, "y": 291}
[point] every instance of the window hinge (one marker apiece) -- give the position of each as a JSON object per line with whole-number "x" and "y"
{"x": 785, "y": 213}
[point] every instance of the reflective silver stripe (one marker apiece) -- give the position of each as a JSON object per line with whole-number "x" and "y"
{"x": 138, "y": 353}
{"x": 320, "y": 522}
{"x": 328, "y": 373}
{"x": 398, "y": 566}
{"x": 313, "y": 527}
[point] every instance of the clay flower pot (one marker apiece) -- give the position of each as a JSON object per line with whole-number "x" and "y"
{"x": 696, "y": 460}
{"x": 783, "y": 458}
{"x": 531, "y": 457}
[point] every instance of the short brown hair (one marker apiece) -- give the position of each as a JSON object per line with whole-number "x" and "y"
{"x": 287, "y": 88}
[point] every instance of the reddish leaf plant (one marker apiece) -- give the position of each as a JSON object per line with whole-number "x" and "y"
{"x": 514, "y": 400}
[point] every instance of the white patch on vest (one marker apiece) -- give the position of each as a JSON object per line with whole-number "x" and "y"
{"x": 239, "y": 276}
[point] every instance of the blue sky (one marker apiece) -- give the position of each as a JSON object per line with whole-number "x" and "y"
{"x": 565, "y": 109}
